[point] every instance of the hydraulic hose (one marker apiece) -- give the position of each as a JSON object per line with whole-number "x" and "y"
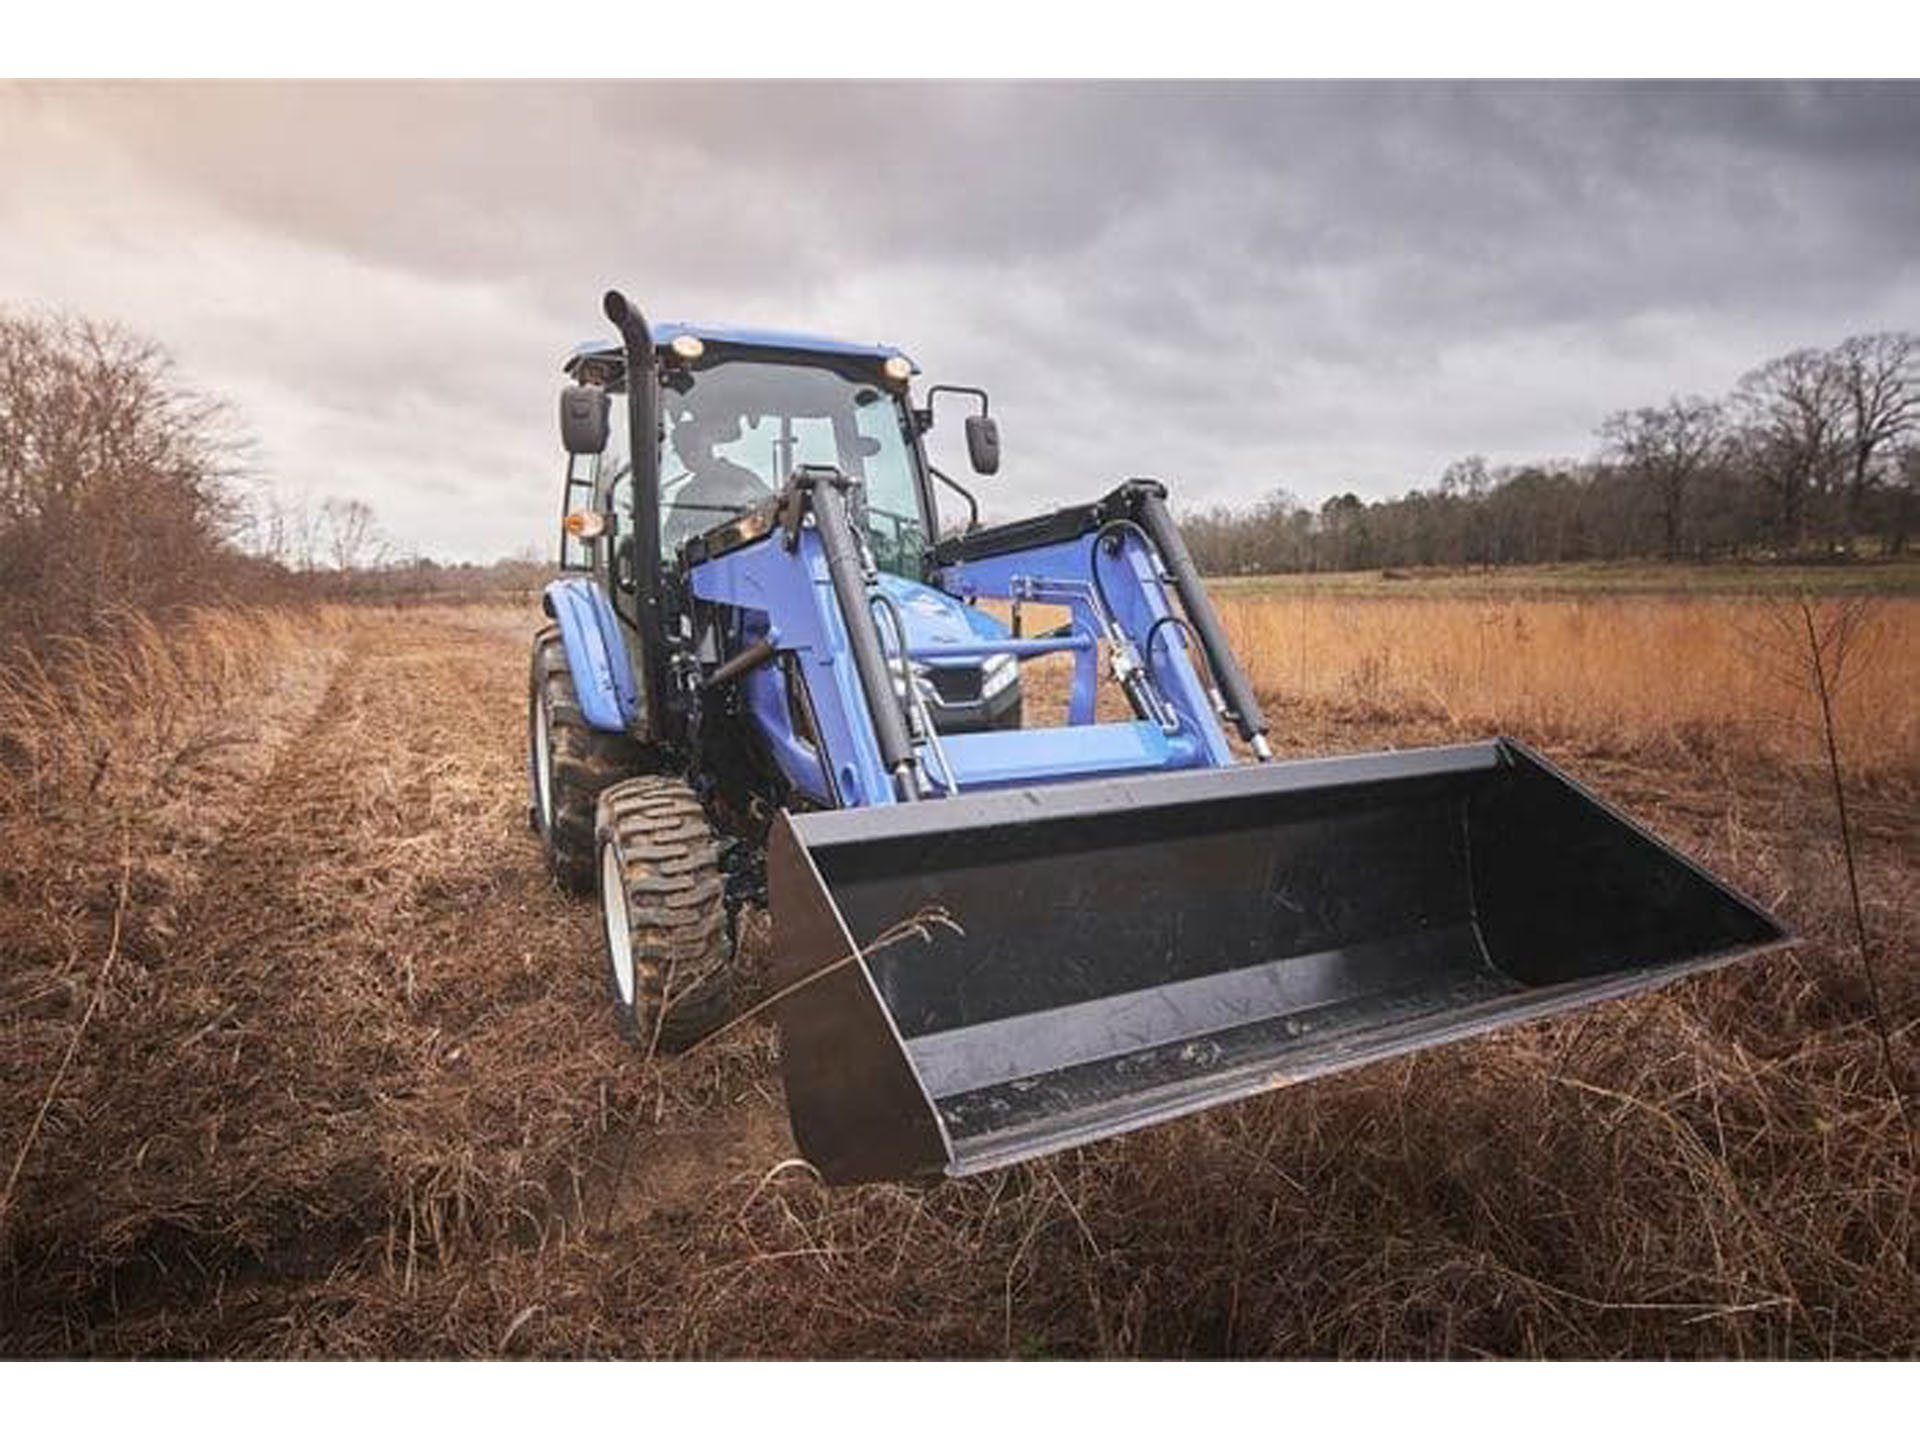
{"x": 749, "y": 659}
{"x": 848, "y": 574}
{"x": 1150, "y": 506}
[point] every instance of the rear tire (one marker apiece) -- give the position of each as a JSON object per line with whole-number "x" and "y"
{"x": 663, "y": 912}
{"x": 569, "y": 763}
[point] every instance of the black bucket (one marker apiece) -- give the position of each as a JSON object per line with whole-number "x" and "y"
{"x": 1131, "y": 950}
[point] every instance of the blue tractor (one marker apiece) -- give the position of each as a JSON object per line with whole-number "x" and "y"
{"x": 773, "y": 682}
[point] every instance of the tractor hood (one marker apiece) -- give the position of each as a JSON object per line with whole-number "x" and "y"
{"x": 933, "y": 617}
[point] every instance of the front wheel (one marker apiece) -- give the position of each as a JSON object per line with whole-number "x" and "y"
{"x": 663, "y": 912}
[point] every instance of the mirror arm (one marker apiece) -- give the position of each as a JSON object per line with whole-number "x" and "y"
{"x": 925, "y": 416}
{"x": 973, "y": 505}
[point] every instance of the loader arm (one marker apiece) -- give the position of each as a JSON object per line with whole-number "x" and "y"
{"x": 1133, "y": 526}
{"x": 807, "y": 587}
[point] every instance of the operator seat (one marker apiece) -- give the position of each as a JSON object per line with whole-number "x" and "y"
{"x": 717, "y": 490}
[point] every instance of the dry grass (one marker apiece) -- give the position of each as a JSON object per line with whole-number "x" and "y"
{"x": 138, "y": 752}
{"x": 1881, "y": 575}
{"x": 283, "y": 998}
{"x": 1662, "y": 673}
{"x": 346, "y": 1084}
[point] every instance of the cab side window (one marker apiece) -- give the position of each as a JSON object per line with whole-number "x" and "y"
{"x": 880, "y": 461}
{"x": 602, "y": 482}
{"x": 582, "y": 470}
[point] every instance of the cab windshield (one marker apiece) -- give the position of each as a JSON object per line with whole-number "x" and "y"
{"x": 733, "y": 432}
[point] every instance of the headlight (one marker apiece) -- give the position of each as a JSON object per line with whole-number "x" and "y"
{"x": 998, "y": 673}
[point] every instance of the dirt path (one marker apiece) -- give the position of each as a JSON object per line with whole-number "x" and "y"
{"x": 382, "y": 1037}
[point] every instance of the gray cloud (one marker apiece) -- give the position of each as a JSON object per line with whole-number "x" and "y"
{"x": 1234, "y": 286}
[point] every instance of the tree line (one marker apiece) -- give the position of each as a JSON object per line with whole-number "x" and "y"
{"x": 123, "y": 489}
{"x": 1815, "y": 454}
{"x": 118, "y": 483}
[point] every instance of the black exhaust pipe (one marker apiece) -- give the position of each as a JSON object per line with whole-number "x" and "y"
{"x": 643, "y": 423}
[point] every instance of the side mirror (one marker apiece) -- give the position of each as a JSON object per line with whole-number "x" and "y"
{"x": 583, "y": 419}
{"x": 983, "y": 444}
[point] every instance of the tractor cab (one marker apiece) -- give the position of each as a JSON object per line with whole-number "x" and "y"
{"x": 738, "y": 412}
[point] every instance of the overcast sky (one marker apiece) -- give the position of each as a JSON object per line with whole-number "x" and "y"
{"x": 1234, "y": 287}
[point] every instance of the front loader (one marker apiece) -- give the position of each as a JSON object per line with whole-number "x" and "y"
{"x": 774, "y": 682}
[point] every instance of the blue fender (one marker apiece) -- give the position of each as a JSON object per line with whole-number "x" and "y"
{"x": 602, "y": 674}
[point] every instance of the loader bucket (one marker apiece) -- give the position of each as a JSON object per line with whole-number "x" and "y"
{"x": 1137, "y": 949}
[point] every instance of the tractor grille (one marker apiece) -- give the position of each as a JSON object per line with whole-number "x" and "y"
{"x": 956, "y": 685}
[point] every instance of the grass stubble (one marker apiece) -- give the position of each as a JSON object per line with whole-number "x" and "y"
{"x": 303, "y": 1056}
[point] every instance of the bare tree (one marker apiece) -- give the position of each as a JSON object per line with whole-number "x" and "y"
{"x": 1906, "y": 497}
{"x": 1667, "y": 448}
{"x": 1464, "y": 486}
{"x": 1796, "y": 412}
{"x": 1879, "y": 375}
{"x": 1347, "y": 543}
{"x": 116, "y": 480}
{"x": 351, "y": 540}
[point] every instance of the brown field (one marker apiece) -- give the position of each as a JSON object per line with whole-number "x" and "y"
{"x": 300, "y": 1054}
{"x": 1666, "y": 673}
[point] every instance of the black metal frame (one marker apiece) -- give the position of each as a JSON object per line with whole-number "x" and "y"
{"x": 576, "y": 555}
{"x": 654, "y": 590}
{"x": 923, "y": 417}
{"x": 973, "y": 503}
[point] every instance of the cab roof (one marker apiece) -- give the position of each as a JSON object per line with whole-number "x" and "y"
{"x": 667, "y": 331}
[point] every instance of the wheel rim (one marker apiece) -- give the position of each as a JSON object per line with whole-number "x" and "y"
{"x": 542, "y": 765}
{"x": 613, "y": 909}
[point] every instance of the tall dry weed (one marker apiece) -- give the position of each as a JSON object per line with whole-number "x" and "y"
{"x": 121, "y": 759}
{"x": 108, "y": 722}
{"x": 1652, "y": 671}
